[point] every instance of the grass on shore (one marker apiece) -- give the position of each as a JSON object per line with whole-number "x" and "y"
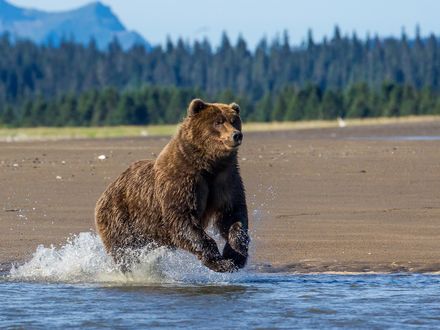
{"x": 54, "y": 133}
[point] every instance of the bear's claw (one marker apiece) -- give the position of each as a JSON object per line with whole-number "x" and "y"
{"x": 222, "y": 266}
{"x": 239, "y": 239}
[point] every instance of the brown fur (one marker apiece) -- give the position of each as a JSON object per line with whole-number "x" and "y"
{"x": 171, "y": 201}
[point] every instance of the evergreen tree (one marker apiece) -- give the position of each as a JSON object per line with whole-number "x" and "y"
{"x": 280, "y": 106}
{"x": 312, "y": 108}
{"x": 358, "y": 101}
{"x": 263, "y": 109}
{"x": 427, "y": 102}
{"x": 8, "y": 117}
{"x": 332, "y": 105}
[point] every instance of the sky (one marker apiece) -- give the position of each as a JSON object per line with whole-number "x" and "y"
{"x": 155, "y": 20}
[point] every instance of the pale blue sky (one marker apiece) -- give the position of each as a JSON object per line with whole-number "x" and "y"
{"x": 192, "y": 19}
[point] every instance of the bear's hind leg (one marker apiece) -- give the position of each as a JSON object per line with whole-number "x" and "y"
{"x": 123, "y": 260}
{"x": 128, "y": 253}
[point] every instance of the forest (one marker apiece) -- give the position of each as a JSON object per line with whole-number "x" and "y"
{"x": 342, "y": 76}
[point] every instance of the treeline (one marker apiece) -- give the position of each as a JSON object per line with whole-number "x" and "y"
{"x": 80, "y": 85}
{"x": 159, "y": 105}
{"x": 27, "y": 69}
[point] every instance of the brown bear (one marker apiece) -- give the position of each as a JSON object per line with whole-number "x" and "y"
{"x": 170, "y": 202}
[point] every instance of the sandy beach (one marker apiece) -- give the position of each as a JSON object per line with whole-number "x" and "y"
{"x": 352, "y": 199}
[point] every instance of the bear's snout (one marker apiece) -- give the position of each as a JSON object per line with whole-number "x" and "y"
{"x": 237, "y": 137}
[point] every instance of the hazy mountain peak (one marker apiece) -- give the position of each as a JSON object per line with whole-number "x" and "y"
{"x": 94, "y": 20}
{"x": 97, "y": 8}
{"x": 9, "y": 12}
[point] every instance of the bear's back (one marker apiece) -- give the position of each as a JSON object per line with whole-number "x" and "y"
{"x": 132, "y": 191}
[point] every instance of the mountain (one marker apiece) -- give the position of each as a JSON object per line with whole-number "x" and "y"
{"x": 94, "y": 20}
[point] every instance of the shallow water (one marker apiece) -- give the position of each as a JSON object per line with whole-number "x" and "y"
{"x": 77, "y": 285}
{"x": 400, "y": 138}
{"x": 252, "y": 300}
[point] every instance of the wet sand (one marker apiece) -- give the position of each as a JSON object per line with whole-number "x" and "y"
{"x": 320, "y": 200}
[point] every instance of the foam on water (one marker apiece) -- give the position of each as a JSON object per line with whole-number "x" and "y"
{"x": 83, "y": 259}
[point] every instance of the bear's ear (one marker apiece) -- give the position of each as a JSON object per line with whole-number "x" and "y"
{"x": 196, "y": 106}
{"x": 235, "y": 107}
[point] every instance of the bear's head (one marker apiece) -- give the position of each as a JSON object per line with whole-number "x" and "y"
{"x": 215, "y": 127}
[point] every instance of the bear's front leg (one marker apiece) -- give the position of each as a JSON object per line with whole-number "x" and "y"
{"x": 217, "y": 263}
{"x": 237, "y": 245}
{"x": 194, "y": 239}
{"x": 179, "y": 208}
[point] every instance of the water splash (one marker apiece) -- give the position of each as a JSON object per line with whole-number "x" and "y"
{"x": 83, "y": 259}
{"x": 260, "y": 212}
{"x": 260, "y": 202}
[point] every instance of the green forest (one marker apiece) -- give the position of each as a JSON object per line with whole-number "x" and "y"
{"x": 342, "y": 76}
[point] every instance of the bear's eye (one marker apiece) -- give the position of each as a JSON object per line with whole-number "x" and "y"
{"x": 219, "y": 122}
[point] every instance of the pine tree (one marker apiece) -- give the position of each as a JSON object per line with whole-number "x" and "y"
{"x": 427, "y": 101}
{"x": 358, "y": 101}
{"x": 280, "y": 106}
{"x": 8, "y": 117}
{"x": 332, "y": 105}
{"x": 263, "y": 109}
{"x": 312, "y": 109}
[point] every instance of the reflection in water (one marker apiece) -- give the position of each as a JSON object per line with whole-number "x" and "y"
{"x": 183, "y": 290}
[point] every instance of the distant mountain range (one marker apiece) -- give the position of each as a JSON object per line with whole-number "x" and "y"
{"x": 94, "y": 20}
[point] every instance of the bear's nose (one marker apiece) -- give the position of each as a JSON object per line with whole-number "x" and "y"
{"x": 237, "y": 136}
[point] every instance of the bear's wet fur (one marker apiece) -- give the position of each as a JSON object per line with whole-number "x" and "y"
{"x": 170, "y": 201}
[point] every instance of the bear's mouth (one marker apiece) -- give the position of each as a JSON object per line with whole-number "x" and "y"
{"x": 231, "y": 145}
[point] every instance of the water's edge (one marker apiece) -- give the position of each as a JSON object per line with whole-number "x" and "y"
{"x": 303, "y": 268}
{"x": 309, "y": 268}
{"x": 83, "y": 259}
